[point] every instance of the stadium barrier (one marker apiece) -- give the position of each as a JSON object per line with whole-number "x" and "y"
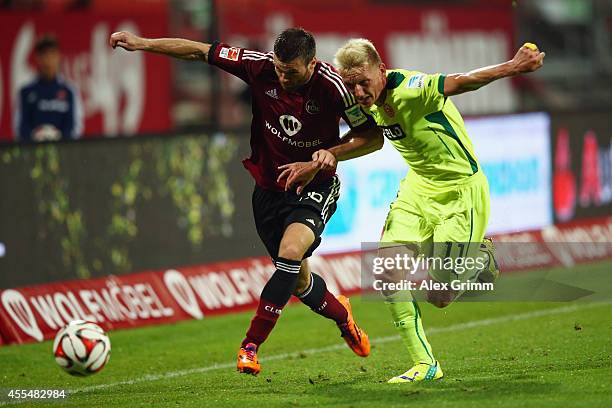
{"x": 35, "y": 313}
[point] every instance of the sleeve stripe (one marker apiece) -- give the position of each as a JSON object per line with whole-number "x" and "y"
{"x": 344, "y": 99}
{"x": 349, "y": 100}
{"x": 330, "y": 71}
{"x": 441, "y": 84}
{"x": 256, "y": 52}
{"x": 337, "y": 81}
{"x": 256, "y": 55}
{"x": 254, "y": 58}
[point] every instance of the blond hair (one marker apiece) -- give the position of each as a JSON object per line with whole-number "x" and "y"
{"x": 356, "y": 53}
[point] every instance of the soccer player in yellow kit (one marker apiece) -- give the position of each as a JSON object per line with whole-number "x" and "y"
{"x": 445, "y": 196}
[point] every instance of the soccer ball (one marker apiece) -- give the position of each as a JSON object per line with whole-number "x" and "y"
{"x": 81, "y": 348}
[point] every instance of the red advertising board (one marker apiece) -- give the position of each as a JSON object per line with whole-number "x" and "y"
{"x": 562, "y": 245}
{"x": 123, "y": 93}
{"x": 36, "y": 313}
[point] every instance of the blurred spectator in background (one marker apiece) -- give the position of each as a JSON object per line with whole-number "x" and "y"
{"x": 48, "y": 108}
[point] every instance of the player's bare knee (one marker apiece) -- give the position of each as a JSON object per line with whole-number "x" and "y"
{"x": 439, "y": 303}
{"x": 292, "y": 251}
{"x": 439, "y": 299}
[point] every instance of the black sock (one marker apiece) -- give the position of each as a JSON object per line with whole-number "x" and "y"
{"x": 313, "y": 295}
{"x": 282, "y": 283}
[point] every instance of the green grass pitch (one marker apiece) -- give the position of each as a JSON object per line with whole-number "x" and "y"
{"x": 494, "y": 354}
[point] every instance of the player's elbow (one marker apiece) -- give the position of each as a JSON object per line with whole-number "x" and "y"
{"x": 453, "y": 85}
{"x": 376, "y": 141}
{"x": 379, "y": 141}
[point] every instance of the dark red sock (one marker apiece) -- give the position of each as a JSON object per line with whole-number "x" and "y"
{"x": 262, "y": 323}
{"x": 332, "y": 308}
{"x": 322, "y": 301}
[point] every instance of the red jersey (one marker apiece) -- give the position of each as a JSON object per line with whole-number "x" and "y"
{"x": 289, "y": 126}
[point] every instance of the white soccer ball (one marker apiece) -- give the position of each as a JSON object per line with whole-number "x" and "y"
{"x": 81, "y": 348}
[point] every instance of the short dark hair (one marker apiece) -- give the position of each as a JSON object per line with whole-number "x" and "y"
{"x": 45, "y": 43}
{"x": 293, "y": 43}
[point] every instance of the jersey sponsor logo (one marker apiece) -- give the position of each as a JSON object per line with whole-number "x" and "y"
{"x": 393, "y": 132}
{"x": 291, "y": 142}
{"x": 312, "y": 107}
{"x": 355, "y": 116}
{"x": 416, "y": 81}
{"x": 272, "y": 93}
{"x": 229, "y": 53}
{"x": 290, "y": 124}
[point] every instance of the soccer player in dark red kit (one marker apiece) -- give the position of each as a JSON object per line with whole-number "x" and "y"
{"x": 297, "y": 105}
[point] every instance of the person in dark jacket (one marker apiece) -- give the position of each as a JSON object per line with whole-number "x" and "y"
{"x": 48, "y": 108}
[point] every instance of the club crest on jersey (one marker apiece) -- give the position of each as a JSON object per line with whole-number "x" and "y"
{"x": 393, "y": 132}
{"x": 229, "y": 53}
{"x": 312, "y": 107}
{"x": 290, "y": 124}
{"x": 389, "y": 110}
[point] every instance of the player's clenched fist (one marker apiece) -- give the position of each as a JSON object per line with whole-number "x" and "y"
{"x": 528, "y": 58}
{"x": 126, "y": 40}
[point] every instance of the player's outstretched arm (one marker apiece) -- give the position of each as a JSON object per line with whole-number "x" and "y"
{"x": 353, "y": 144}
{"x": 173, "y": 47}
{"x": 527, "y": 59}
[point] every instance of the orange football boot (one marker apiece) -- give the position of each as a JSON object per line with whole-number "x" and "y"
{"x": 247, "y": 360}
{"x": 356, "y": 338}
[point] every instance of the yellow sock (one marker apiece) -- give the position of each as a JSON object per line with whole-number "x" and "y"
{"x": 407, "y": 319}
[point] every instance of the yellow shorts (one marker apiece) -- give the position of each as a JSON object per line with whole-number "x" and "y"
{"x": 442, "y": 221}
